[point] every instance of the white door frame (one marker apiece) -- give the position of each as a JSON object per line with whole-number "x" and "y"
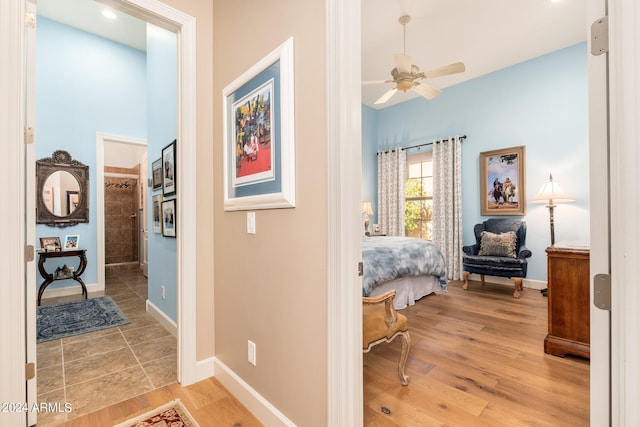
{"x": 624, "y": 157}
{"x": 163, "y": 16}
{"x": 344, "y": 165}
{"x": 13, "y": 386}
{"x": 101, "y": 138}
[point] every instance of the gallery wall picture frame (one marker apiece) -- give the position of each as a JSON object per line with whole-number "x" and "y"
{"x": 71, "y": 242}
{"x": 156, "y": 174}
{"x": 169, "y": 218}
{"x": 259, "y": 132}
{"x": 156, "y": 213}
{"x": 169, "y": 169}
{"x": 50, "y": 244}
{"x": 502, "y": 182}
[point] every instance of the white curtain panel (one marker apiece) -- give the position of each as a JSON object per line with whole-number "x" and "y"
{"x": 447, "y": 204}
{"x": 391, "y": 172}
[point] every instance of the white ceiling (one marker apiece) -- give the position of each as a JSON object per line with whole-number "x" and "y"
{"x": 87, "y": 15}
{"x": 487, "y": 35}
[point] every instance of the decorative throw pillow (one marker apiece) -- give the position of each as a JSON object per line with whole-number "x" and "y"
{"x": 503, "y": 244}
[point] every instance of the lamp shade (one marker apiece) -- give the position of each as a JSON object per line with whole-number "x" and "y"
{"x": 366, "y": 208}
{"x": 551, "y": 193}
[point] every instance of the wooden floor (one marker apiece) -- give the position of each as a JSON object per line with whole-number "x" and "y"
{"x": 476, "y": 359}
{"x": 207, "y": 401}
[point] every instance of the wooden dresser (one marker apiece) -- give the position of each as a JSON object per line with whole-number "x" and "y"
{"x": 568, "y": 299}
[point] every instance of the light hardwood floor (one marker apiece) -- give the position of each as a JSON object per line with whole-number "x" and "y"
{"x": 477, "y": 359}
{"x": 207, "y": 401}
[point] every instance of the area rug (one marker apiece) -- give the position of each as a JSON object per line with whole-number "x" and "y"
{"x": 77, "y": 317}
{"x": 172, "y": 414}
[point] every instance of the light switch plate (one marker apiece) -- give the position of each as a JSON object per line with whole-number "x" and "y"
{"x": 251, "y": 222}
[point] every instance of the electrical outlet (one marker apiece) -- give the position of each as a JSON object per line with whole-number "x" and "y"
{"x": 251, "y": 352}
{"x": 162, "y": 289}
{"x": 251, "y": 222}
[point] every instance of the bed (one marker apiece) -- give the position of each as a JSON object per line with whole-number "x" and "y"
{"x": 413, "y": 267}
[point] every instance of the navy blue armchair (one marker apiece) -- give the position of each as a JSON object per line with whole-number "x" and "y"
{"x": 499, "y": 251}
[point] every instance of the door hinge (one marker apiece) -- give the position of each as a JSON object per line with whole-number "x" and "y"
{"x": 360, "y": 268}
{"x": 29, "y": 253}
{"x": 600, "y": 36}
{"x": 29, "y": 19}
{"x": 29, "y": 371}
{"x": 602, "y": 291}
{"x": 29, "y": 135}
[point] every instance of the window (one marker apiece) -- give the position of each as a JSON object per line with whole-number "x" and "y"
{"x": 418, "y": 208}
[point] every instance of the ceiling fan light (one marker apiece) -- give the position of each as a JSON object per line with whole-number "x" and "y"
{"x": 404, "y": 85}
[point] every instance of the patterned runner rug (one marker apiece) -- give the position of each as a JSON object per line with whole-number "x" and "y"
{"x": 172, "y": 414}
{"x": 77, "y": 317}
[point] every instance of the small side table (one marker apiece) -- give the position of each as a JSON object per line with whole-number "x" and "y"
{"x": 51, "y": 277}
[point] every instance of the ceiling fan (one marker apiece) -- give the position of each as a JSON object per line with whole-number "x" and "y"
{"x": 407, "y": 76}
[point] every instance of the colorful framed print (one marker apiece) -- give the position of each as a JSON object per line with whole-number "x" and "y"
{"x": 502, "y": 182}
{"x": 258, "y": 124}
{"x": 71, "y": 242}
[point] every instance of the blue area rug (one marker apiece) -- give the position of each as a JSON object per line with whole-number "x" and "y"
{"x": 77, "y": 317}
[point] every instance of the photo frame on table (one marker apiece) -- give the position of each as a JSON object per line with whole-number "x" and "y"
{"x": 50, "y": 244}
{"x": 156, "y": 213}
{"x": 71, "y": 241}
{"x": 169, "y": 218}
{"x": 502, "y": 182}
{"x": 258, "y": 131}
{"x": 156, "y": 174}
{"x": 169, "y": 169}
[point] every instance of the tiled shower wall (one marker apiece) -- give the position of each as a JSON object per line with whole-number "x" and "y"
{"x": 121, "y": 217}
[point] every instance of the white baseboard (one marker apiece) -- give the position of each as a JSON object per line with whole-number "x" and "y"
{"x": 74, "y": 289}
{"x": 527, "y": 283}
{"x": 264, "y": 411}
{"x": 164, "y": 320}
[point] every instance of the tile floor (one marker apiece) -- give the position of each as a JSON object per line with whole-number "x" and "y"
{"x": 95, "y": 370}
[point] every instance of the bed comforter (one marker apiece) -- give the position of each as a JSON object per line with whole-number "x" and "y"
{"x": 389, "y": 258}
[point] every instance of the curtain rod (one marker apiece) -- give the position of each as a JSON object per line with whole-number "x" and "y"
{"x": 462, "y": 138}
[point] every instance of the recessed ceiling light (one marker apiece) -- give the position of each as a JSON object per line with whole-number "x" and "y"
{"x": 109, "y": 14}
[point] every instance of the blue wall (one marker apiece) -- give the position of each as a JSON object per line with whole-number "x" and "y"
{"x": 541, "y": 104}
{"x": 369, "y": 168}
{"x": 85, "y": 84}
{"x": 162, "y": 113}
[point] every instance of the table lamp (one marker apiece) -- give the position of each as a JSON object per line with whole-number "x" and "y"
{"x": 367, "y": 210}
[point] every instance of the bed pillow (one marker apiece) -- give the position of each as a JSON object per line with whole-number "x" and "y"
{"x": 503, "y": 244}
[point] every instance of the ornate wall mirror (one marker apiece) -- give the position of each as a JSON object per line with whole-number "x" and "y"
{"x": 63, "y": 190}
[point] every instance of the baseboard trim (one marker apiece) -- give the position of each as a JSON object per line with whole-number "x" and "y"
{"x": 75, "y": 289}
{"x": 527, "y": 283}
{"x": 264, "y": 411}
{"x": 164, "y": 320}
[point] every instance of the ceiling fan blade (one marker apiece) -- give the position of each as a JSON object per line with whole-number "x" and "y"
{"x": 403, "y": 62}
{"x": 374, "y": 82}
{"x": 387, "y": 96}
{"x": 427, "y": 91}
{"x": 456, "y": 67}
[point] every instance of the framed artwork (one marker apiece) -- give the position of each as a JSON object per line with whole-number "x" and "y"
{"x": 71, "y": 241}
{"x": 169, "y": 169}
{"x": 258, "y": 131}
{"x": 169, "y": 218}
{"x": 156, "y": 174}
{"x": 50, "y": 244}
{"x": 156, "y": 213}
{"x": 502, "y": 182}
